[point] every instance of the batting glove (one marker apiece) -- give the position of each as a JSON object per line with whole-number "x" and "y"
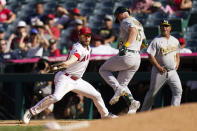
{"x": 122, "y": 51}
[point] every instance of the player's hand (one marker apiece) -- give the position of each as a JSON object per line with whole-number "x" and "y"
{"x": 122, "y": 50}
{"x": 162, "y": 70}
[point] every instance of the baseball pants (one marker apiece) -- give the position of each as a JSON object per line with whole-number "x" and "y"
{"x": 127, "y": 65}
{"x": 157, "y": 81}
{"x": 63, "y": 85}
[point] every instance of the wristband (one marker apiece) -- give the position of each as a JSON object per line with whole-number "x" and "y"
{"x": 127, "y": 44}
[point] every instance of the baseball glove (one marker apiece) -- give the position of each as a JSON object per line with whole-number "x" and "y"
{"x": 55, "y": 68}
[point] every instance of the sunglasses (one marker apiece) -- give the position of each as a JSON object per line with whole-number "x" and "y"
{"x": 164, "y": 25}
{"x": 87, "y": 35}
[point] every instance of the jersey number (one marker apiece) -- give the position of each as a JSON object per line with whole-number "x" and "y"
{"x": 139, "y": 35}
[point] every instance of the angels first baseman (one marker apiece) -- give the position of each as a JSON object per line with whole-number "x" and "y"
{"x": 127, "y": 61}
{"x": 70, "y": 79}
{"x": 164, "y": 55}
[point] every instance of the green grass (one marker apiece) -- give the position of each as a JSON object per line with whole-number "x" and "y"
{"x": 21, "y": 128}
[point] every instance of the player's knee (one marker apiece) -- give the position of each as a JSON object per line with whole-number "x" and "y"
{"x": 97, "y": 96}
{"x": 179, "y": 91}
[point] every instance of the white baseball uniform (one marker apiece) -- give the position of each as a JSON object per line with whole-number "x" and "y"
{"x": 164, "y": 50}
{"x": 70, "y": 80}
{"x": 128, "y": 64}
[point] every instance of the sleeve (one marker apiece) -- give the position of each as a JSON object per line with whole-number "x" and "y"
{"x": 152, "y": 48}
{"x": 76, "y": 51}
{"x": 178, "y": 47}
{"x": 128, "y": 24}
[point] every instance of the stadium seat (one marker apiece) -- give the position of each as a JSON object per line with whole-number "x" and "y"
{"x": 180, "y": 14}
{"x": 158, "y": 15}
{"x": 86, "y": 11}
{"x": 153, "y": 22}
{"x": 192, "y": 44}
{"x": 191, "y": 36}
{"x": 142, "y": 17}
{"x": 192, "y": 28}
{"x": 107, "y": 4}
{"x": 193, "y": 18}
{"x": 177, "y": 34}
{"x": 50, "y": 5}
{"x": 126, "y": 3}
{"x": 154, "y": 32}
{"x": 69, "y": 5}
{"x": 178, "y": 25}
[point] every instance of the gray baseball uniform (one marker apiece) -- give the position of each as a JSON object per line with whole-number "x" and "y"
{"x": 127, "y": 64}
{"x": 164, "y": 50}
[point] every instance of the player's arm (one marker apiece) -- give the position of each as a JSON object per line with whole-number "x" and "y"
{"x": 177, "y": 60}
{"x": 156, "y": 64}
{"x": 71, "y": 60}
{"x": 132, "y": 33}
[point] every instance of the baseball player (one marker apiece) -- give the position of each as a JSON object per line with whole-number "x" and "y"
{"x": 127, "y": 61}
{"x": 163, "y": 53}
{"x": 70, "y": 79}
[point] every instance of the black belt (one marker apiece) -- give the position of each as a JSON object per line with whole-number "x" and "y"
{"x": 133, "y": 51}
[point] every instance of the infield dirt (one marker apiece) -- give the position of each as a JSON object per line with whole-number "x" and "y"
{"x": 183, "y": 118}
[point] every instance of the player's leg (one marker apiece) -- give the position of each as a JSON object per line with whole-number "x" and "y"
{"x": 131, "y": 65}
{"x": 124, "y": 78}
{"x": 176, "y": 88}
{"x": 86, "y": 89}
{"x": 111, "y": 65}
{"x": 157, "y": 81}
{"x": 62, "y": 87}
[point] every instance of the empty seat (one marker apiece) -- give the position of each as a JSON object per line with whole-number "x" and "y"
{"x": 180, "y": 14}
{"x": 70, "y": 5}
{"x": 192, "y": 28}
{"x": 193, "y": 18}
{"x": 191, "y": 36}
{"x": 153, "y": 22}
{"x": 158, "y": 15}
{"x": 178, "y": 25}
{"x": 86, "y": 12}
{"x": 177, "y": 34}
{"x": 151, "y": 32}
{"x": 191, "y": 43}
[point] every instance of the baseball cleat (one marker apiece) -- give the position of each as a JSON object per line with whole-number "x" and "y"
{"x": 115, "y": 98}
{"x": 27, "y": 116}
{"x": 135, "y": 105}
{"x": 110, "y": 115}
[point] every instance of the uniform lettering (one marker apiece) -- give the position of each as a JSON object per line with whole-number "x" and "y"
{"x": 168, "y": 49}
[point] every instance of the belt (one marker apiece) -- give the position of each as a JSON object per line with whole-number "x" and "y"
{"x": 72, "y": 77}
{"x": 133, "y": 51}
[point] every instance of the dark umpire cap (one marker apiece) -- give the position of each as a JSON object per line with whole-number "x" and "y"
{"x": 165, "y": 22}
{"x": 120, "y": 10}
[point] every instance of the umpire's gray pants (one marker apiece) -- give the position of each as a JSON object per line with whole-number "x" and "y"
{"x": 127, "y": 65}
{"x": 157, "y": 81}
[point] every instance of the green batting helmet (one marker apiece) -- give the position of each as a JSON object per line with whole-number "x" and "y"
{"x": 120, "y": 10}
